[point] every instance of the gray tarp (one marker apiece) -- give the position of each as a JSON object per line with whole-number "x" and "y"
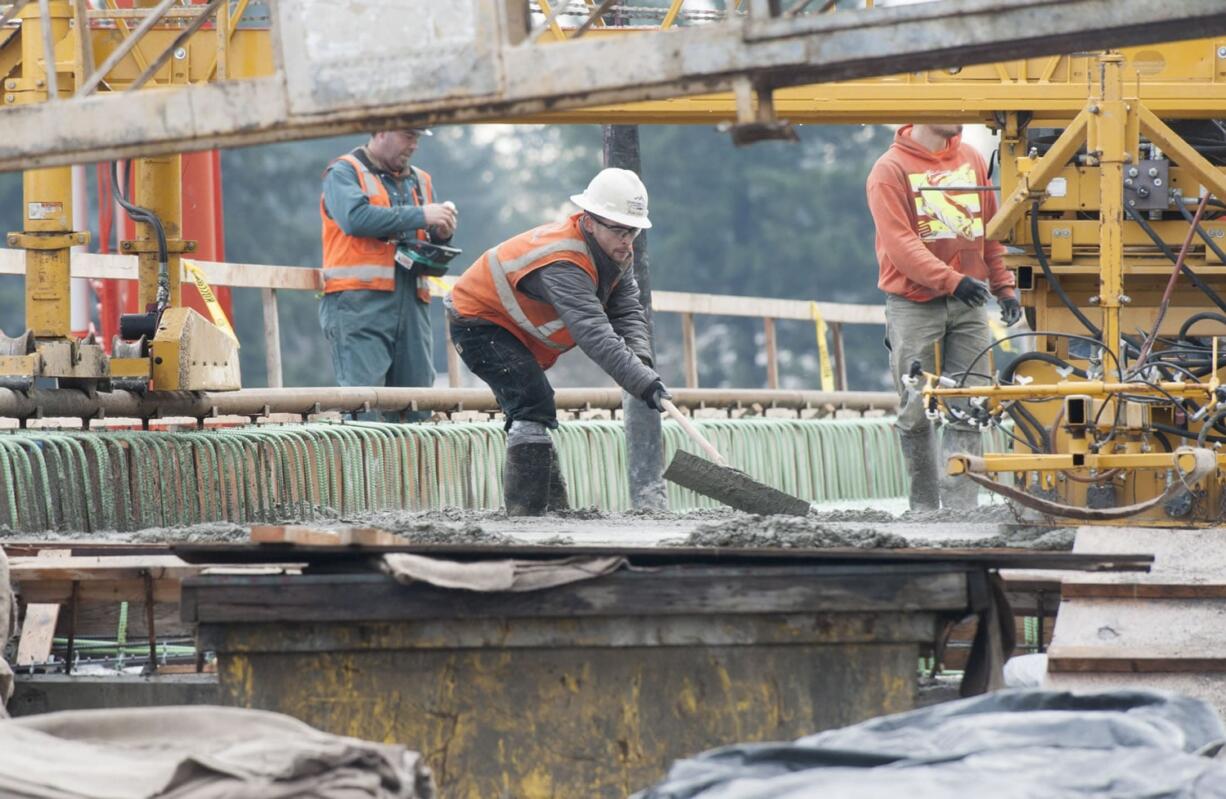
{"x": 1006, "y": 745}
{"x": 198, "y": 752}
{"x": 497, "y": 575}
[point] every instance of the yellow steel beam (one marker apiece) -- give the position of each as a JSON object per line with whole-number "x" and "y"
{"x": 1107, "y": 141}
{"x": 671, "y": 16}
{"x": 1041, "y": 173}
{"x": 1183, "y": 461}
{"x": 1183, "y": 153}
{"x": 1091, "y": 388}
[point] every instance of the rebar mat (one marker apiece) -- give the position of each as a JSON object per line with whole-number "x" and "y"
{"x": 74, "y": 481}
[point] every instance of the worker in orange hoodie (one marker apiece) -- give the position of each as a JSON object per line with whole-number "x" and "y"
{"x": 937, "y": 271}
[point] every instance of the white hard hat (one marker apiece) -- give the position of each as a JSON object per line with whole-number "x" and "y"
{"x": 616, "y": 195}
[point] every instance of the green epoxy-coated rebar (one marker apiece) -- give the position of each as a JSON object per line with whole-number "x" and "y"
{"x": 125, "y": 480}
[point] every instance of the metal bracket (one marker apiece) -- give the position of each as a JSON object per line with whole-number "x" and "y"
{"x": 48, "y": 241}
{"x": 150, "y": 245}
{"x": 755, "y": 116}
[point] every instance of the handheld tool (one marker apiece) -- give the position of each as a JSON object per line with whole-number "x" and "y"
{"x": 716, "y": 479}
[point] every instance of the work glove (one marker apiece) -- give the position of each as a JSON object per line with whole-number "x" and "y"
{"x": 1010, "y": 311}
{"x": 655, "y": 395}
{"x": 972, "y": 292}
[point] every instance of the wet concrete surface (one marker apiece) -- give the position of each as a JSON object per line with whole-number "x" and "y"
{"x": 870, "y": 525}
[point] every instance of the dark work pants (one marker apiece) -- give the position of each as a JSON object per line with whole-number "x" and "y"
{"x": 519, "y": 383}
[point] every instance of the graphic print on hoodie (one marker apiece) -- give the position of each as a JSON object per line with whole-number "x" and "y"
{"x": 946, "y": 214}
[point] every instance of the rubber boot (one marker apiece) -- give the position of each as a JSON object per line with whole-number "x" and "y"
{"x": 557, "y": 485}
{"x": 960, "y": 492}
{"x": 919, "y": 450}
{"x": 525, "y": 479}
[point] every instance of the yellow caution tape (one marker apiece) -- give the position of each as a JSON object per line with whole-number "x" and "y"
{"x": 999, "y": 331}
{"x": 438, "y": 286}
{"x": 210, "y": 299}
{"x": 823, "y": 350}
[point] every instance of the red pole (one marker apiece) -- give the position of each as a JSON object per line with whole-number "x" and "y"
{"x": 203, "y": 221}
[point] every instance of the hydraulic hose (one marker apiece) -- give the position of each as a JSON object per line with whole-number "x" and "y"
{"x": 1199, "y": 317}
{"x": 1170, "y": 286}
{"x": 1051, "y": 278}
{"x": 1185, "y": 269}
{"x": 139, "y": 214}
{"x": 1007, "y": 375}
{"x": 1200, "y": 230}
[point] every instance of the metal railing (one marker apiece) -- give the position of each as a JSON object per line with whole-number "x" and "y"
{"x": 272, "y": 279}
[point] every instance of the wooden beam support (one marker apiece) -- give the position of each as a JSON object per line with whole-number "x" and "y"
{"x": 272, "y": 338}
{"x": 772, "y": 353}
{"x": 689, "y": 348}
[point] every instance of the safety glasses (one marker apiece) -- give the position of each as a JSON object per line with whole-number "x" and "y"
{"x": 621, "y": 231}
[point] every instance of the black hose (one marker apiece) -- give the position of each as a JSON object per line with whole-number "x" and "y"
{"x": 1200, "y": 231}
{"x": 1051, "y": 278}
{"x": 1007, "y": 375}
{"x": 1163, "y": 440}
{"x": 1182, "y": 433}
{"x": 146, "y": 216}
{"x": 1199, "y": 317}
{"x": 1173, "y": 258}
{"x": 1211, "y": 424}
{"x": 1044, "y": 437}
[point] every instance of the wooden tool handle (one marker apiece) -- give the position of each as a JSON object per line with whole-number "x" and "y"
{"x": 693, "y": 433}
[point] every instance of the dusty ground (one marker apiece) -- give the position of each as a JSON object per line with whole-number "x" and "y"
{"x": 989, "y": 526}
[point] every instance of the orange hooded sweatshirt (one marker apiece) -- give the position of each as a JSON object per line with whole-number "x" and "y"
{"x": 928, "y": 240}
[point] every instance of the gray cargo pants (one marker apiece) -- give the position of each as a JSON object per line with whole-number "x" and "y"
{"x": 913, "y": 330}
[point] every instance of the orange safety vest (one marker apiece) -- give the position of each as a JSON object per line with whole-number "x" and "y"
{"x": 489, "y": 288}
{"x": 358, "y": 262}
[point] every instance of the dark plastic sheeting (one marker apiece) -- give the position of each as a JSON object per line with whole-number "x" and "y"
{"x": 1007, "y": 745}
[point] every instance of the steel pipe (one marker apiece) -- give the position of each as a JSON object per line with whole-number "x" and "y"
{"x": 261, "y": 401}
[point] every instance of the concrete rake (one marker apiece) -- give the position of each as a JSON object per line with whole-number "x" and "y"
{"x": 716, "y": 479}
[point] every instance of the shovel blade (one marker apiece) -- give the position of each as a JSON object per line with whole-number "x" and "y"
{"x": 732, "y": 487}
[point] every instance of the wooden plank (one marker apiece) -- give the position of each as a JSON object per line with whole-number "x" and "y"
{"x": 1143, "y": 590}
{"x": 348, "y": 536}
{"x": 218, "y": 273}
{"x": 368, "y": 597}
{"x": 262, "y": 276}
{"x": 38, "y": 628}
{"x": 107, "y": 567}
{"x": 689, "y": 350}
{"x": 839, "y": 356}
{"x": 59, "y": 591}
{"x": 1068, "y": 659}
{"x": 101, "y": 620}
{"x": 880, "y": 558}
{"x": 772, "y": 353}
{"x": 728, "y": 305}
{"x": 272, "y": 337}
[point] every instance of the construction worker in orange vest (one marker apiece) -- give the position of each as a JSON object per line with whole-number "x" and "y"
{"x": 541, "y": 293}
{"x": 375, "y": 314}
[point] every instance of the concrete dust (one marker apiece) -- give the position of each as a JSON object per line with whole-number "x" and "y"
{"x": 789, "y": 532}
{"x": 429, "y": 528}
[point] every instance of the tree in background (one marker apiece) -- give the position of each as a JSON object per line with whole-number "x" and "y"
{"x": 771, "y": 220}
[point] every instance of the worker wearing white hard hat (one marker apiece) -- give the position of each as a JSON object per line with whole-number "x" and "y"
{"x": 384, "y": 234}
{"x": 535, "y": 296}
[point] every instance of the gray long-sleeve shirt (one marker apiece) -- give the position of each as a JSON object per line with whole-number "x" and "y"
{"x": 606, "y": 320}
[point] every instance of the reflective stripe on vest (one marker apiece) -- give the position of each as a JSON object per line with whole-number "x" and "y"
{"x": 506, "y": 294}
{"x": 370, "y": 272}
{"x": 353, "y": 262}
